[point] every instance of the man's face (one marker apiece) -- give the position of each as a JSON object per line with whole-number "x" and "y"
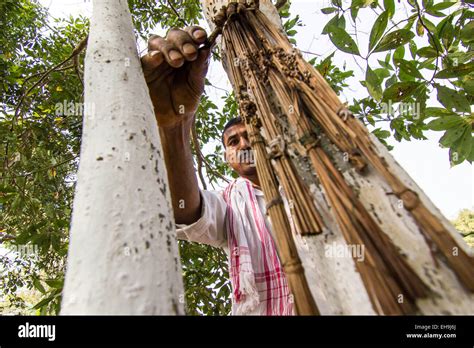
{"x": 238, "y": 152}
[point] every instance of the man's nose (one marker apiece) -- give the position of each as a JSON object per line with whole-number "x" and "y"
{"x": 244, "y": 143}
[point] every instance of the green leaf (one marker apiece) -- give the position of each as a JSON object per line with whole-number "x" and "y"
{"x": 43, "y": 302}
{"x": 381, "y": 134}
{"x": 413, "y": 49}
{"x": 438, "y": 112}
{"x": 398, "y": 54}
{"x": 328, "y": 10}
{"x": 445, "y": 122}
{"x": 427, "y": 64}
{"x": 427, "y": 3}
{"x": 452, "y": 100}
{"x": 38, "y": 285}
{"x": 394, "y": 39}
{"x": 431, "y": 27}
{"x": 389, "y": 6}
{"x": 399, "y": 91}
{"x": 455, "y": 71}
{"x": 55, "y": 283}
{"x": 456, "y": 58}
{"x": 441, "y": 6}
{"x": 463, "y": 145}
{"x": 433, "y": 40}
{"x": 411, "y": 21}
{"x": 391, "y": 81}
{"x": 373, "y": 84}
{"x": 468, "y": 84}
{"x": 420, "y": 30}
{"x": 452, "y": 135}
{"x": 355, "y": 5}
{"x": 435, "y": 13}
{"x": 378, "y": 29}
{"x": 384, "y": 64}
{"x": 427, "y": 52}
{"x": 470, "y": 157}
{"x": 467, "y": 32}
{"x": 334, "y": 21}
{"x": 382, "y": 73}
{"x": 342, "y": 40}
{"x": 408, "y": 68}
{"x": 446, "y": 32}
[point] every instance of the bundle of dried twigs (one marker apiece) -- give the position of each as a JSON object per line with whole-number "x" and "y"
{"x": 280, "y": 93}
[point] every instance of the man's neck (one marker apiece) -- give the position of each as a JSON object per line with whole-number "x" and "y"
{"x": 254, "y": 180}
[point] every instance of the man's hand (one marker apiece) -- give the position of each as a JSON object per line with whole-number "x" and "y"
{"x": 175, "y": 69}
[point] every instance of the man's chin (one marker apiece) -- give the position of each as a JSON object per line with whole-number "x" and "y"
{"x": 248, "y": 169}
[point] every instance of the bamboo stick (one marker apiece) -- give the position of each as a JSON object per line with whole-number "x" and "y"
{"x": 291, "y": 263}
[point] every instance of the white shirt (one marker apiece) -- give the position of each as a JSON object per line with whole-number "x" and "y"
{"x": 211, "y": 227}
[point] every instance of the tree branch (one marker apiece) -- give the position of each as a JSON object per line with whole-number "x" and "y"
{"x": 74, "y": 53}
{"x": 176, "y": 13}
{"x": 430, "y": 35}
{"x": 194, "y": 137}
{"x": 201, "y": 158}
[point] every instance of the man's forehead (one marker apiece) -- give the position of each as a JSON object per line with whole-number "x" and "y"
{"x": 235, "y": 130}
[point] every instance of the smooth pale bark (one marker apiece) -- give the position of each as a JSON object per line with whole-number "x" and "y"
{"x": 334, "y": 281}
{"x": 123, "y": 256}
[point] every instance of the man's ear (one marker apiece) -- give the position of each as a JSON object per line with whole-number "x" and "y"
{"x": 225, "y": 154}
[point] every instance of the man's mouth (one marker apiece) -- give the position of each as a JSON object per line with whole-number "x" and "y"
{"x": 246, "y": 157}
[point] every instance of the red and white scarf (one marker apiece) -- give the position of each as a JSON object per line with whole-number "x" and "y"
{"x": 258, "y": 281}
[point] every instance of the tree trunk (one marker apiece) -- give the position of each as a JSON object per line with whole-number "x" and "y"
{"x": 123, "y": 257}
{"x": 335, "y": 282}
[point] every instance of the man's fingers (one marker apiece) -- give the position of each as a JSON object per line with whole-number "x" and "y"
{"x": 184, "y": 43}
{"x": 151, "y": 61}
{"x": 198, "y": 34}
{"x": 179, "y": 45}
{"x": 170, "y": 52}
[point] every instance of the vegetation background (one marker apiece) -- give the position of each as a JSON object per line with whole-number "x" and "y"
{"x": 418, "y": 53}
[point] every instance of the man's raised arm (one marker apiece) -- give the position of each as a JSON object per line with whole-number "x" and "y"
{"x": 175, "y": 69}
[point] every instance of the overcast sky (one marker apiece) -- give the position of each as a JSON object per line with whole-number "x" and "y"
{"x": 451, "y": 189}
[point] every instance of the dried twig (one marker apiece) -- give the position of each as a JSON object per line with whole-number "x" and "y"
{"x": 77, "y": 69}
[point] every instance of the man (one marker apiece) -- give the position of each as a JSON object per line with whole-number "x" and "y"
{"x": 175, "y": 69}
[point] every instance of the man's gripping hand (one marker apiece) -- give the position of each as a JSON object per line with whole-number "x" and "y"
{"x": 175, "y": 69}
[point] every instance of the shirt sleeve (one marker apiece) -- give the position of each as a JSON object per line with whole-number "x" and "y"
{"x": 210, "y": 228}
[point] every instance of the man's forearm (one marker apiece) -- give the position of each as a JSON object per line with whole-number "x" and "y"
{"x": 182, "y": 179}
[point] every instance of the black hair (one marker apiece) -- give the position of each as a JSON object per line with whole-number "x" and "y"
{"x": 230, "y": 123}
